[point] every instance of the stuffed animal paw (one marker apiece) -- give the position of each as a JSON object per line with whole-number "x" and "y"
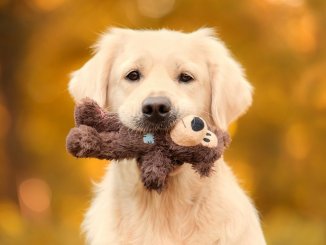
{"x": 84, "y": 141}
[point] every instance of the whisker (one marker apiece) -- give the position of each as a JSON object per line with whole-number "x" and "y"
{"x": 183, "y": 123}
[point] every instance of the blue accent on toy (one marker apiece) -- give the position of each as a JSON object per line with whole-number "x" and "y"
{"x": 148, "y": 138}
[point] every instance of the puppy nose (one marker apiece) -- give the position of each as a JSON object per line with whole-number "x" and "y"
{"x": 197, "y": 124}
{"x": 156, "y": 108}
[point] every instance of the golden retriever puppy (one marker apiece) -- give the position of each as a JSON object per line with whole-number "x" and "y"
{"x": 152, "y": 78}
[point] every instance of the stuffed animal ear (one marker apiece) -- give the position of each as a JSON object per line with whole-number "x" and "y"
{"x": 231, "y": 92}
{"x": 91, "y": 80}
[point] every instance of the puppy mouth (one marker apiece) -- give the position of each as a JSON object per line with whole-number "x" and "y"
{"x": 145, "y": 124}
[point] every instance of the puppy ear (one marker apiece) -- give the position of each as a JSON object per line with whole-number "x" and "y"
{"x": 231, "y": 92}
{"x": 91, "y": 80}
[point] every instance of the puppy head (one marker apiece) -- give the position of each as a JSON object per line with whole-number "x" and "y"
{"x": 154, "y": 78}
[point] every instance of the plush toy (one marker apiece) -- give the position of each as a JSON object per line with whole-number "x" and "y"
{"x": 100, "y": 134}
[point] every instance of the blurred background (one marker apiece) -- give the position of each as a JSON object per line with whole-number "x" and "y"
{"x": 279, "y": 147}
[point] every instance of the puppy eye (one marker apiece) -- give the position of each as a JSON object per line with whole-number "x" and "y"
{"x": 133, "y": 75}
{"x": 185, "y": 78}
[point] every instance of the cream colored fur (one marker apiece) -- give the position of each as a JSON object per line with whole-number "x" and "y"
{"x": 192, "y": 210}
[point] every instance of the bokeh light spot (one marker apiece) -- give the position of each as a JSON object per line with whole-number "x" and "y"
{"x": 155, "y": 8}
{"x": 35, "y": 194}
{"x": 301, "y": 33}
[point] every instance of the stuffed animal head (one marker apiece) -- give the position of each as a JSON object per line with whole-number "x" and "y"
{"x": 192, "y": 130}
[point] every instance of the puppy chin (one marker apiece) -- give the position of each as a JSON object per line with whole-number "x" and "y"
{"x": 142, "y": 124}
{"x": 165, "y": 124}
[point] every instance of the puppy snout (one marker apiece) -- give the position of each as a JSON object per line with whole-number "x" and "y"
{"x": 156, "y": 108}
{"x": 197, "y": 124}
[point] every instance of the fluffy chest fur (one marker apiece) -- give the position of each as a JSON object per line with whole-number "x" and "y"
{"x": 172, "y": 217}
{"x": 192, "y": 210}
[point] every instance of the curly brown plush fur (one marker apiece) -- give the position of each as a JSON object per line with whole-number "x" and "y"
{"x": 101, "y": 135}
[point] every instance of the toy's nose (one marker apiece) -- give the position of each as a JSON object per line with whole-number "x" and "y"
{"x": 197, "y": 124}
{"x": 156, "y": 108}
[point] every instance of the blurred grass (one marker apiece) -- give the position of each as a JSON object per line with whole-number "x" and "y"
{"x": 278, "y": 149}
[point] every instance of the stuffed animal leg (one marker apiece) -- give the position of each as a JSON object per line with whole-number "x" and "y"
{"x": 155, "y": 168}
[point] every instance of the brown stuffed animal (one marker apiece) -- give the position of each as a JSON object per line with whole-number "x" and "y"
{"x": 100, "y": 134}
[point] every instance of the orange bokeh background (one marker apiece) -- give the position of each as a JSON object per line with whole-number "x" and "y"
{"x": 278, "y": 149}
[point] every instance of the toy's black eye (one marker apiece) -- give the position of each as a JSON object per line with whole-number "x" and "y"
{"x": 185, "y": 78}
{"x": 197, "y": 124}
{"x": 133, "y": 76}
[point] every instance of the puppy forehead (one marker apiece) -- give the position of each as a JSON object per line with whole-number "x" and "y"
{"x": 172, "y": 57}
{"x": 161, "y": 44}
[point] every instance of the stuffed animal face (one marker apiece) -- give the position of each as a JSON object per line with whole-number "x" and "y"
{"x": 192, "y": 130}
